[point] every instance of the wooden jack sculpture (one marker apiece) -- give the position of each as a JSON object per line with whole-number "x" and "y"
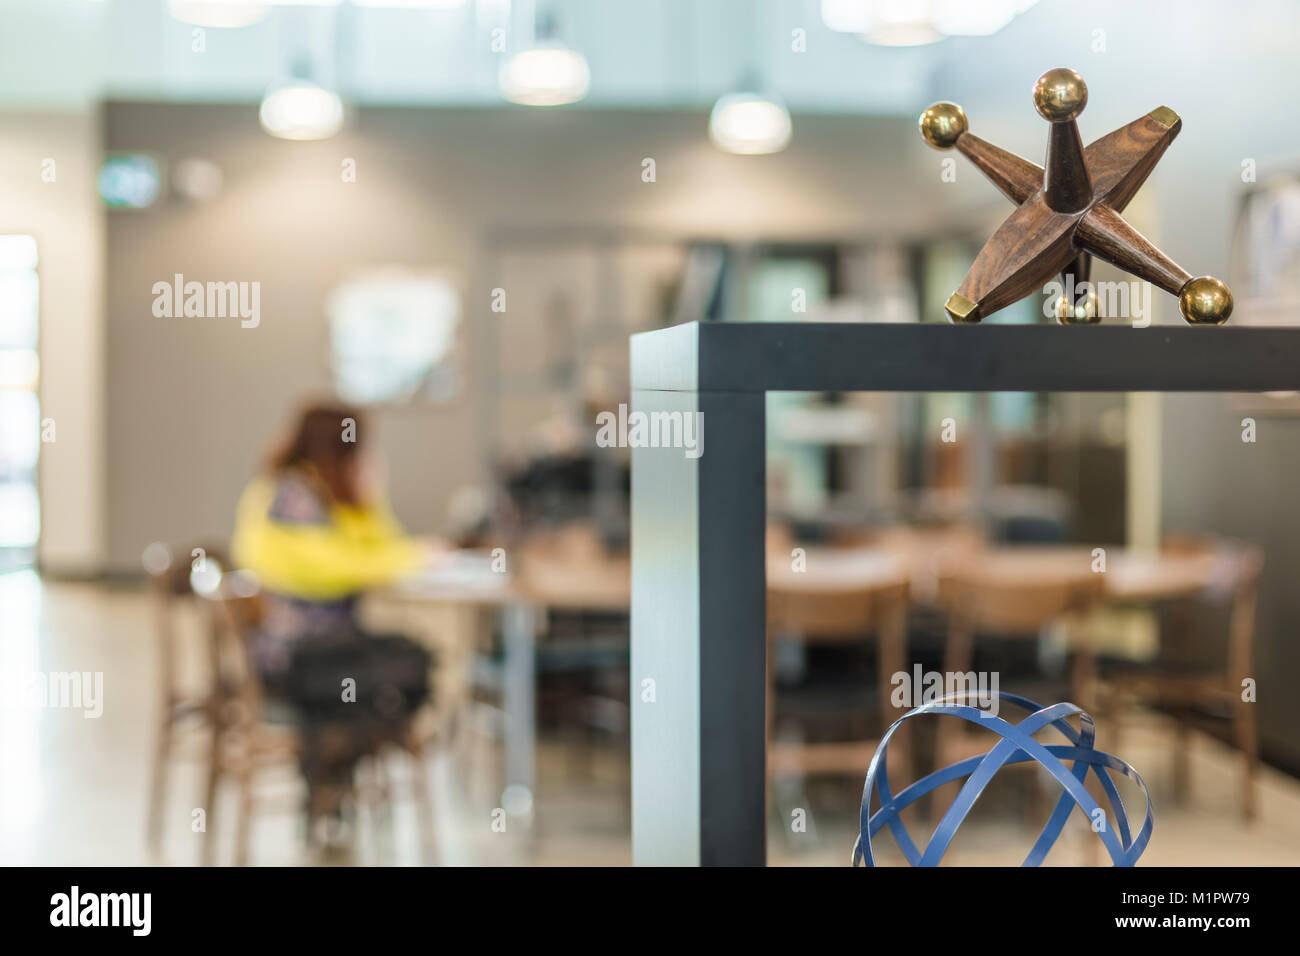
{"x": 1070, "y": 212}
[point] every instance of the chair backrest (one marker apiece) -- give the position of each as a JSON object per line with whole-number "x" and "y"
{"x": 833, "y": 614}
{"x": 927, "y": 550}
{"x": 1024, "y": 608}
{"x": 171, "y": 583}
{"x": 234, "y": 608}
{"x": 1015, "y": 592}
{"x": 830, "y": 614}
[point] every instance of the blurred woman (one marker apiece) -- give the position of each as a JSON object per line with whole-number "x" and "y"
{"x": 317, "y": 532}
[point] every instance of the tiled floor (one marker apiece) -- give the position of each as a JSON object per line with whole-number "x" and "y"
{"x": 72, "y": 790}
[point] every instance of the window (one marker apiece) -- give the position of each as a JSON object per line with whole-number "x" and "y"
{"x": 20, "y": 417}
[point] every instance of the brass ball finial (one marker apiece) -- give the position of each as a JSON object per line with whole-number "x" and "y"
{"x": 1060, "y": 95}
{"x": 1083, "y": 312}
{"x": 942, "y": 123}
{"x": 1205, "y": 301}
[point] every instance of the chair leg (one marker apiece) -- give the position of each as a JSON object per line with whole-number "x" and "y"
{"x": 210, "y": 798}
{"x": 367, "y": 794}
{"x": 1182, "y": 757}
{"x": 958, "y": 657}
{"x": 423, "y": 805}
{"x": 1083, "y": 669}
{"x": 314, "y": 803}
{"x": 1036, "y": 804}
{"x": 1248, "y": 742}
{"x": 244, "y": 823}
{"x": 462, "y": 737}
{"x": 891, "y": 655}
{"x": 478, "y": 759}
{"x": 384, "y": 772}
{"x": 1110, "y": 710}
{"x": 158, "y": 783}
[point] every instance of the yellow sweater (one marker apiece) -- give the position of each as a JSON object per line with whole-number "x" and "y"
{"x": 339, "y": 552}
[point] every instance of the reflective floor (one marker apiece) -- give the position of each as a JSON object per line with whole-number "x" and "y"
{"x": 73, "y": 790}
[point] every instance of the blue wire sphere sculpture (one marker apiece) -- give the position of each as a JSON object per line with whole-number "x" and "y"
{"x": 1016, "y": 746}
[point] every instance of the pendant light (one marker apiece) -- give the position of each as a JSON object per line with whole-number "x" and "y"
{"x": 750, "y": 124}
{"x": 302, "y": 110}
{"x": 548, "y": 73}
{"x": 300, "y": 107}
{"x": 218, "y": 14}
{"x": 916, "y": 22}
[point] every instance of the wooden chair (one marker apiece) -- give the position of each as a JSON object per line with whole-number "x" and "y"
{"x": 1237, "y": 572}
{"x": 585, "y": 591}
{"x": 244, "y": 742}
{"x": 840, "y": 612}
{"x": 183, "y": 713}
{"x": 1011, "y": 592}
{"x": 926, "y": 550}
{"x": 248, "y": 742}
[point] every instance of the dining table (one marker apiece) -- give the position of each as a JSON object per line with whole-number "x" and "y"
{"x": 1118, "y": 577}
{"x": 474, "y": 583}
{"x": 1127, "y": 574}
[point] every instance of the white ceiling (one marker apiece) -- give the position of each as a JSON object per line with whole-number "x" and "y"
{"x": 1220, "y": 72}
{"x": 658, "y": 53}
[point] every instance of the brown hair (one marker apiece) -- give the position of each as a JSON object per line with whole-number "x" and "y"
{"x": 326, "y": 443}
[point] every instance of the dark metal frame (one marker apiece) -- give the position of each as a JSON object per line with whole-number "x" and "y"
{"x": 698, "y": 524}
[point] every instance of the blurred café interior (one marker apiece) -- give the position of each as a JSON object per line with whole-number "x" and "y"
{"x": 450, "y": 216}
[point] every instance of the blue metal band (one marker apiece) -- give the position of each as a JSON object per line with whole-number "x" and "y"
{"x": 1016, "y": 746}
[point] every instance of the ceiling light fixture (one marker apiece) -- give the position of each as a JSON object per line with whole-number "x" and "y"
{"x": 547, "y": 73}
{"x": 847, "y": 16}
{"x": 750, "y": 124}
{"x": 220, "y": 14}
{"x": 916, "y": 22}
{"x": 389, "y": 4}
{"x": 977, "y": 19}
{"x": 902, "y": 23}
{"x": 301, "y": 110}
{"x": 412, "y": 4}
{"x": 550, "y": 74}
